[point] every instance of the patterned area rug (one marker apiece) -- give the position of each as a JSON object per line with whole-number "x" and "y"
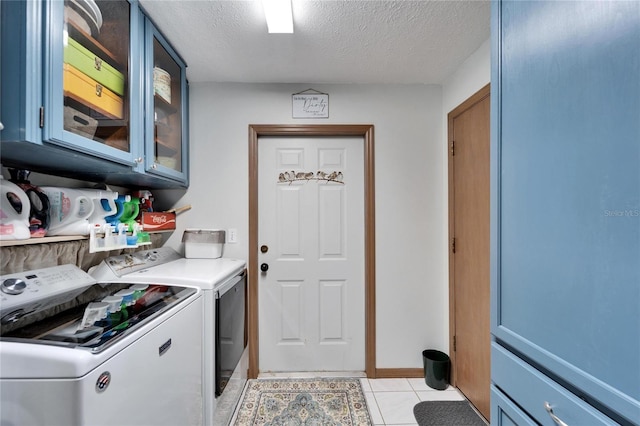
{"x": 317, "y": 402}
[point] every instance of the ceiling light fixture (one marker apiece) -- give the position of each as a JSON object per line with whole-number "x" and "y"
{"x": 279, "y": 16}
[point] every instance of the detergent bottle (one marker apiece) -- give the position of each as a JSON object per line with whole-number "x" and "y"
{"x": 39, "y": 210}
{"x": 114, "y": 219}
{"x": 14, "y": 212}
{"x": 104, "y": 204}
{"x": 69, "y": 211}
{"x": 131, "y": 210}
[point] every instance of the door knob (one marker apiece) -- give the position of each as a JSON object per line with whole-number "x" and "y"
{"x": 264, "y": 267}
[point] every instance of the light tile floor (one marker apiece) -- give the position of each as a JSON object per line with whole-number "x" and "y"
{"x": 390, "y": 401}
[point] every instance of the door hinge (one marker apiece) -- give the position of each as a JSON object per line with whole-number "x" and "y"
{"x": 453, "y": 245}
{"x": 41, "y": 117}
{"x": 454, "y": 343}
{"x": 453, "y": 148}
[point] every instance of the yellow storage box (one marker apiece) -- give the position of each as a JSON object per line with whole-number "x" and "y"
{"x": 86, "y": 90}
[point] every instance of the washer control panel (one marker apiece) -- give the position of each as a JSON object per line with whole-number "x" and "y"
{"x": 32, "y": 290}
{"x": 13, "y": 286}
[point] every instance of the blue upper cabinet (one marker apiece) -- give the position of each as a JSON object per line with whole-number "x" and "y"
{"x": 80, "y": 81}
{"x": 566, "y": 192}
{"x": 91, "y": 85}
{"x": 166, "y": 124}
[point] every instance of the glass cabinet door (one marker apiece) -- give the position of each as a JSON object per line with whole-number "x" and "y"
{"x": 92, "y": 77}
{"x": 166, "y": 89}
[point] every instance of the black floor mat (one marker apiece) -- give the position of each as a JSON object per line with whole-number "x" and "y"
{"x": 444, "y": 413}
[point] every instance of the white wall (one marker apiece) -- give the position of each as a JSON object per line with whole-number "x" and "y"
{"x": 411, "y": 187}
{"x": 470, "y": 77}
{"x": 411, "y": 266}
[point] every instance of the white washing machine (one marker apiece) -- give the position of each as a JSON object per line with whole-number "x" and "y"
{"x": 223, "y": 284}
{"x": 73, "y": 352}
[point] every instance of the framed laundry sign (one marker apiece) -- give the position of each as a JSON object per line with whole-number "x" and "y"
{"x": 310, "y": 104}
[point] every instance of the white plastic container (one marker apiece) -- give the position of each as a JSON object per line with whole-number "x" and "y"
{"x": 69, "y": 211}
{"x": 14, "y": 212}
{"x": 203, "y": 243}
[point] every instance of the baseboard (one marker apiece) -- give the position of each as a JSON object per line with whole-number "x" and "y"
{"x": 395, "y": 373}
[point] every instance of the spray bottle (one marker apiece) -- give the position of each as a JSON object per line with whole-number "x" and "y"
{"x": 104, "y": 205}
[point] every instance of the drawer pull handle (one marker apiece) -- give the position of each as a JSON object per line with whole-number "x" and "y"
{"x": 98, "y": 90}
{"x": 555, "y": 418}
{"x": 97, "y": 62}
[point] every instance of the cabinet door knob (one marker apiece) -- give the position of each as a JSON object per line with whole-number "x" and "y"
{"x": 555, "y": 418}
{"x": 138, "y": 160}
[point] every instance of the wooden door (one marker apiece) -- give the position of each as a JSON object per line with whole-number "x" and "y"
{"x": 311, "y": 233}
{"x": 469, "y": 248}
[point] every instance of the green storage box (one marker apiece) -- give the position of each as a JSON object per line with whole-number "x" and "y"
{"x": 93, "y": 66}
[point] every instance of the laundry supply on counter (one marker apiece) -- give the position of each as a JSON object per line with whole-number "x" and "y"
{"x": 14, "y": 212}
{"x": 69, "y": 211}
{"x": 39, "y": 203}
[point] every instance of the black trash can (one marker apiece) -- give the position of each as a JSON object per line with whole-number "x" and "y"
{"x": 436, "y": 369}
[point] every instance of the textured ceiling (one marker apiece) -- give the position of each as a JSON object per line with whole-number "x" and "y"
{"x": 346, "y": 41}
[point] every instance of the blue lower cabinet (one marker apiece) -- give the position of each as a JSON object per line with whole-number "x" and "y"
{"x": 565, "y": 220}
{"x": 505, "y": 412}
{"x": 539, "y": 396}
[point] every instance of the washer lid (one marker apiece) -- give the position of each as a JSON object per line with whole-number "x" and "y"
{"x": 94, "y": 320}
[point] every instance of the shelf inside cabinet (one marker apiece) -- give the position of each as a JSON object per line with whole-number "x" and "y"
{"x": 162, "y": 129}
{"x": 165, "y": 106}
{"x": 87, "y": 122}
{"x": 93, "y": 45}
{"x": 165, "y": 149}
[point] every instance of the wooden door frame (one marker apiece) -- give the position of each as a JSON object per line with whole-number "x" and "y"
{"x": 456, "y": 112}
{"x": 366, "y": 132}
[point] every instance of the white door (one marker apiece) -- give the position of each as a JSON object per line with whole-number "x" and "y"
{"x": 311, "y": 224}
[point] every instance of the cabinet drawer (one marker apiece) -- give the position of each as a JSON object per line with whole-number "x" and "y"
{"x": 531, "y": 390}
{"x": 84, "y": 89}
{"x": 505, "y": 413}
{"x": 93, "y": 66}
